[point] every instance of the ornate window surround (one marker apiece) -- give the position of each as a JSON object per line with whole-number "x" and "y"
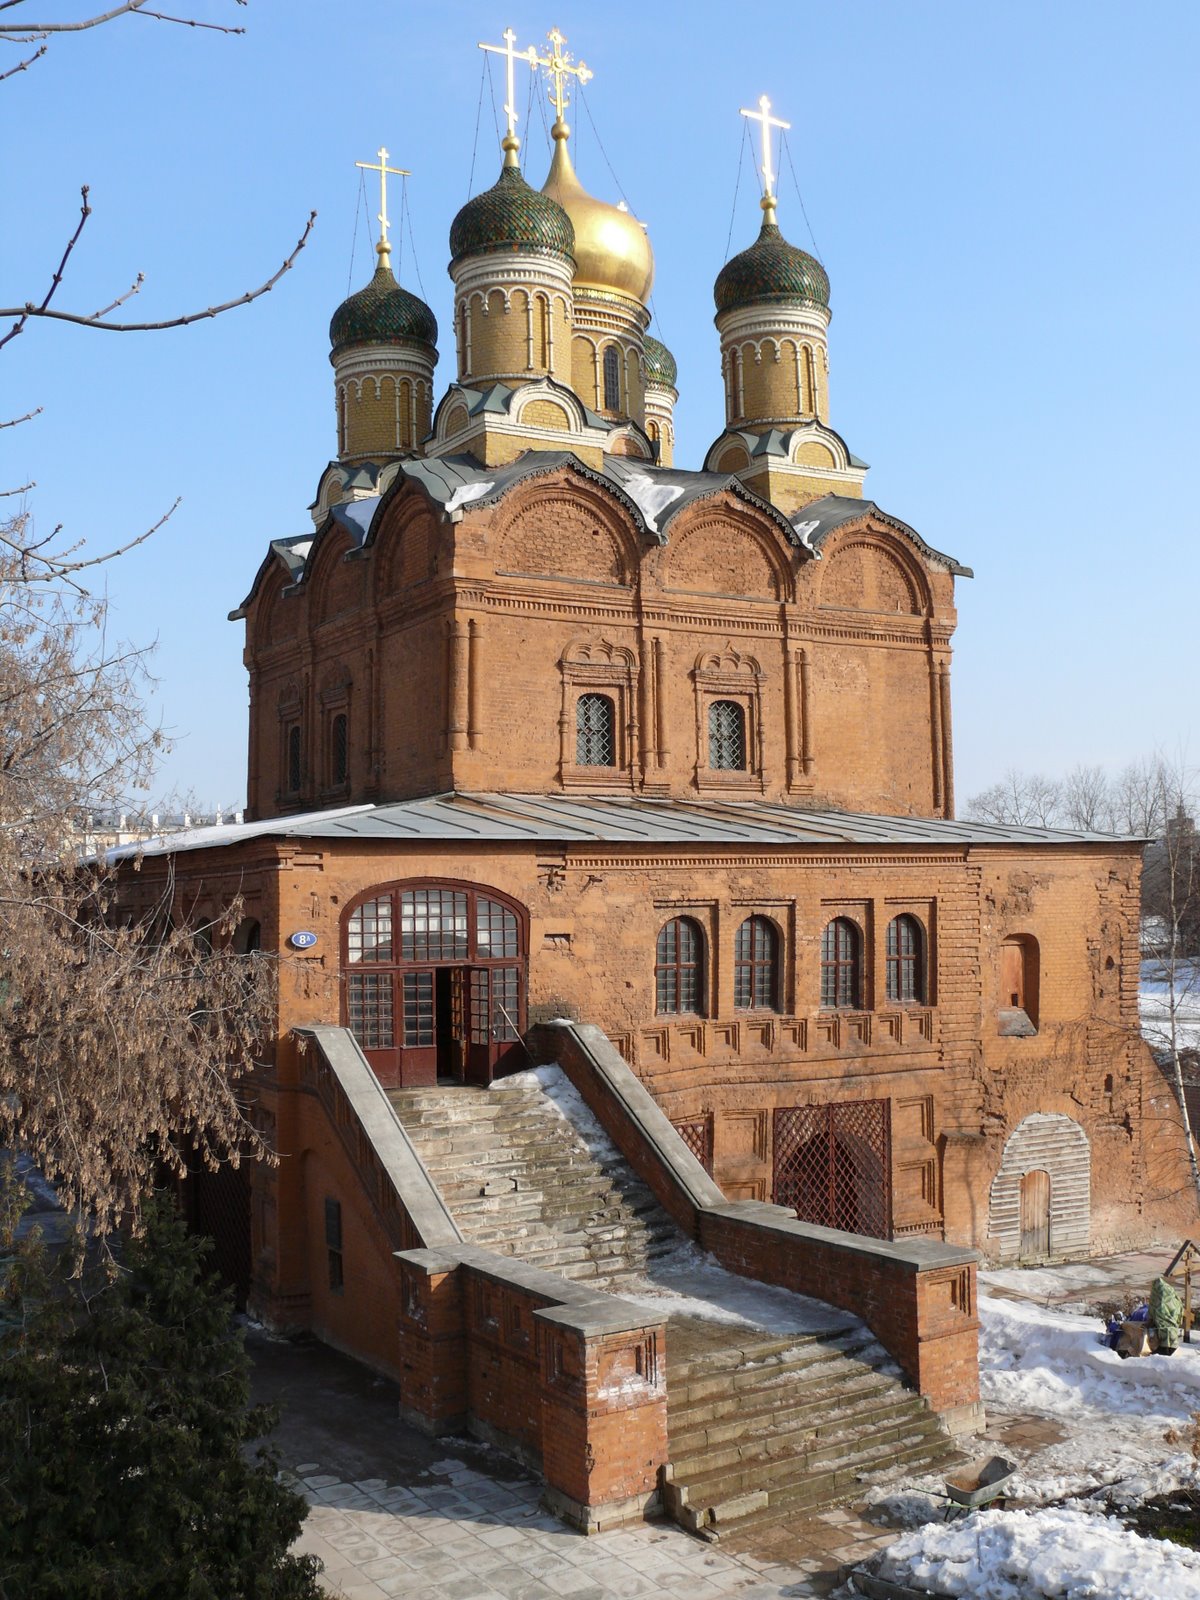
{"x": 334, "y": 701}
{"x": 729, "y": 675}
{"x": 599, "y": 667}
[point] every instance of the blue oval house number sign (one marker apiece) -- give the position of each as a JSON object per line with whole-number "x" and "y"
{"x": 302, "y": 940}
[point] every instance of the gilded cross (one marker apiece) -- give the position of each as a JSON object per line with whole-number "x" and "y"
{"x": 512, "y": 56}
{"x": 559, "y": 65}
{"x": 382, "y": 168}
{"x": 763, "y": 115}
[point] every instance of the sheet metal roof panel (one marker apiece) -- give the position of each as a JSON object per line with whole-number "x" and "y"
{"x": 616, "y": 819}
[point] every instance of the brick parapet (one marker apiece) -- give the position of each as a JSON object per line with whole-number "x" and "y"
{"x": 918, "y": 1297}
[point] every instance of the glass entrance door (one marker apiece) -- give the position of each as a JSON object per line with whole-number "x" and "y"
{"x": 435, "y": 982}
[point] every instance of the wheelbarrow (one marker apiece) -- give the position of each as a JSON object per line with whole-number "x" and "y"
{"x": 983, "y": 1482}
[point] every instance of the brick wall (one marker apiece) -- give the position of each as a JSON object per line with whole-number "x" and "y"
{"x": 558, "y": 561}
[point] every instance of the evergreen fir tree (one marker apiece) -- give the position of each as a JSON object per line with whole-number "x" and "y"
{"x": 128, "y": 1463}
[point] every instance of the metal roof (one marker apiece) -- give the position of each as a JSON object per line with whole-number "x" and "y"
{"x": 613, "y": 819}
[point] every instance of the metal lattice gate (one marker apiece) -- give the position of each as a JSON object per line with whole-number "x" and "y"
{"x": 833, "y": 1165}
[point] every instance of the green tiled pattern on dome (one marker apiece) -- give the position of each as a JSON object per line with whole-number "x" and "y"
{"x": 660, "y": 363}
{"x": 511, "y": 215}
{"x": 381, "y": 312}
{"x": 771, "y": 270}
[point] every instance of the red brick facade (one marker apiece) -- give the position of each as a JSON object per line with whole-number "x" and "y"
{"x": 457, "y": 647}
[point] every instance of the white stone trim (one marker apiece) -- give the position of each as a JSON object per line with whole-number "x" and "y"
{"x": 1053, "y": 1143}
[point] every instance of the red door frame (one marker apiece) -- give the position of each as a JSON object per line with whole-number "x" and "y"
{"x": 413, "y": 1066}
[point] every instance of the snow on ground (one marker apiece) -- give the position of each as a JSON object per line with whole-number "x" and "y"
{"x": 1022, "y": 1555}
{"x": 687, "y": 1282}
{"x": 1060, "y": 1541}
{"x": 1154, "y": 1004}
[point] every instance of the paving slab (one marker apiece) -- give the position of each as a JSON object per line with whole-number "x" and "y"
{"x": 394, "y": 1513}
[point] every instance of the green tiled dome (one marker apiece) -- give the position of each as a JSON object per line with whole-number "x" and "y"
{"x": 660, "y": 363}
{"x": 771, "y": 271}
{"x": 511, "y": 216}
{"x": 381, "y": 313}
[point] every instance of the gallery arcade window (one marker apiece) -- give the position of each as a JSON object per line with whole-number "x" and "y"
{"x": 906, "y": 984}
{"x": 756, "y": 966}
{"x": 726, "y": 736}
{"x": 612, "y": 378}
{"x": 595, "y": 731}
{"x": 679, "y": 968}
{"x": 841, "y": 965}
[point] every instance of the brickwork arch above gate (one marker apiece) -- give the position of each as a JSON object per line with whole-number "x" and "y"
{"x": 1054, "y": 1144}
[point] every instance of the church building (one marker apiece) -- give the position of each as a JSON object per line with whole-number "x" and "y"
{"x": 563, "y": 751}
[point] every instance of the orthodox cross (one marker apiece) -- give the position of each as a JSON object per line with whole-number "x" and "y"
{"x": 512, "y": 54}
{"x": 558, "y": 64}
{"x": 382, "y": 168}
{"x": 763, "y": 115}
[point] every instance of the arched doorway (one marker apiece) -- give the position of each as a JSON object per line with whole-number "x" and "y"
{"x": 1044, "y": 1183}
{"x": 434, "y": 984}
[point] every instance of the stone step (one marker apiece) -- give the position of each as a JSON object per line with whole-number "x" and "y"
{"x": 765, "y": 1491}
{"x": 815, "y": 1437}
{"x": 705, "y": 1379}
{"x": 712, "y": 1425}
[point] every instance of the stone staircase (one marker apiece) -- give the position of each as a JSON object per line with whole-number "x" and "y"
{"x": 520, "y": 1180}
{"x": 759, "y": 1426}
{"x": 763, "y": 1427}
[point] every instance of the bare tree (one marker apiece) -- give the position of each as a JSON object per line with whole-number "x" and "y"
{"x": 123, "y": 1043}
{"x": 1024, "y": 799}
{"x": 1085, "y": 799}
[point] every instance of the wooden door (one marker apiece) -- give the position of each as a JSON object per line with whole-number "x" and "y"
{"x": 1012, "y": 974}
{"x": 1035, "y": 1216}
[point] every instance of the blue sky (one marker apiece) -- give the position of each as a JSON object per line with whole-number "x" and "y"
{"x": 1004, "y": 197}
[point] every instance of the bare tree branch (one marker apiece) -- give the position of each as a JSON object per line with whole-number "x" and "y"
{"x": 14, "y": 422}
{"x": 37, "y": 566}
{"x": 44, "y": 28}
{"x": 190, "y": 22}
{"x": 134, "y": 288}
{"x": 85, "y": 212}
{"x": 23, "y": 313}
{"x": 23, "y": 66}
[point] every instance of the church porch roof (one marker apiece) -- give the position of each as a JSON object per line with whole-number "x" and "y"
{"x": 607, "y": 819}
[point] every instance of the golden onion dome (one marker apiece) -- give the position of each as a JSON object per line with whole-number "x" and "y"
{"x": 612, "y": 252}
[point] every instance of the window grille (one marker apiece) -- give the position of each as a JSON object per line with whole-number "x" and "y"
{"x": 340, "y": 755}
{"x": 369, "y": 934}
{"x": 905, "y": 962}
{"x": 369, "y": 1006}
{"x": 756, "y": 966}
{"x": 726, "y": 736}
{"x": 294, "y": 771}
{"x": 678, "y": 968}
{"x": 612, "y": 378}
{"x": 595, "y": 731}
{"x": 841, "y": 965}
{"x": 433, "y": 925}
{"x": 698, "y": 1138}
{"x": 418, "y": 1009}
{"x": 495, "y": 930}
{"x": 833, "y": 1165}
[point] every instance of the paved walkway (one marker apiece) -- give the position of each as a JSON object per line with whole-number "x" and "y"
{"x": 397, "y": 1514}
